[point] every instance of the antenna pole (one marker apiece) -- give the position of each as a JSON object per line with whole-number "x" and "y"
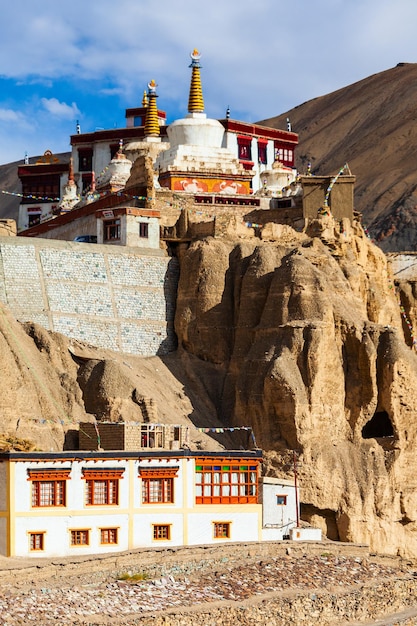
{"x": 296, "y": 488}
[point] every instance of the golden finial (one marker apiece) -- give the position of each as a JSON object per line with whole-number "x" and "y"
{"x": 195, "y": 100}
{"x": 152, "y": 122}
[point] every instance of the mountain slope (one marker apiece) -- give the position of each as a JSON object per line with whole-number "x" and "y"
{"x": 371, "y": 125}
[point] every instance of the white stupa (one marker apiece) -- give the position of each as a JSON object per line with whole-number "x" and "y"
{"x": 70, "y": 196}
{"x": 196, "y": 160}
{"x": 116, "y": 174}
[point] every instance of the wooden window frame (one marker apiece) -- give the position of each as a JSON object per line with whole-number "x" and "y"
{"x": 144, "y": 230}
{"x": 85, "y": 159}
{"x": 34, "y": 537}
{"x": 77, "y": 536}
{"x": 244, "y": 148}
{"x": 226, "y": 482}
{"x": 281, "y": 496}
{"x": 109, "y": 536}
{"x": 161, "y": 529}
{"x": 222, "y": 530}
{"x": 157, "y": 490}
{"x": 163, "y": 478}
{"x": 112, "y": 229}
{"x": 53, "y": 496}
{"x": 102, "y": 486}
{"x": 262, "y": 151}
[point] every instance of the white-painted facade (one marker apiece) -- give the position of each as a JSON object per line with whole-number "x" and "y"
{"x": 279, "y": 508}
{"x": 29, "y": 527}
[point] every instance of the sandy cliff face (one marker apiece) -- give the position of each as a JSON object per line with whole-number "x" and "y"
{"x": 309, "y": 337}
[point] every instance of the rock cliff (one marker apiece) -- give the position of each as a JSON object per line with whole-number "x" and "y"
{"x": 298, "y": 335}
{"x": 308, "y": 336}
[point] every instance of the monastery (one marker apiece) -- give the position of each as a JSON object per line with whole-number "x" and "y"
{"x": 151, "y": 185}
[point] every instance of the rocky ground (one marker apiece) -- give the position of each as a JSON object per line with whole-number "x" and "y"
{"x": 101, "y": 598}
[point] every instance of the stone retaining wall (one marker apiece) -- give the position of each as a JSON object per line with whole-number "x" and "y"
{"x": 110, "y": 296}
{"x": 320, "y": 608}
{"x": 176, "y": 561}
{"x": 339, "y": 606}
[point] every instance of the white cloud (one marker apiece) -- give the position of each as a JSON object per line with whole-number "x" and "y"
{"x": 60, "y": 109}
{"x": 7, "y": 115}
{"x": 260, "y": 59}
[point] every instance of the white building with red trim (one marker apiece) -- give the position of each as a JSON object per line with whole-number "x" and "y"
{"x": 74, "y": 503}
{"x": 78, "y": 503}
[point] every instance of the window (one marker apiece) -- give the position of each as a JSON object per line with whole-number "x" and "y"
{"x": 221, "y": 530}
{"x": 244, "y": 148}
{"x": 162, "y": 532}
{"x": 151, "y": 436}
{"x": 36, "y": 541}
{"x": 143, "y": 229}
{"x": 48, "y": 487}
{"x": 224, "y": 483}
{"x": 114, "y": 149}
{"x": 87, "y": 180}
{"x": 108, "y": 536}
{"x": 111, "y": 230}
{"x": 281, "y": 500}
{"x": 284, "y": 154}
{"x": 80, "y": 537}
{"x": 85, "y": 160}
{"x": 102, "y": 486}
{"x": 262, "y": 146}
{"x": 158, "y": 485}
{"x": 157, "y": 490}
{"x": 33, "y": 219}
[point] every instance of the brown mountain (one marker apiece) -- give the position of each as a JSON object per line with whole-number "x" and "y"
{"x": 372, "y": 126}
{"x": 10, "y": 187}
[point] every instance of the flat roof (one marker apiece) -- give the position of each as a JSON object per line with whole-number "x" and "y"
{"x": 83, "y": 455}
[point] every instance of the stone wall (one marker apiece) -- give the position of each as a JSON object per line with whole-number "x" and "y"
{"x": 341, "y": 604}
{"x": 112, "y": 297}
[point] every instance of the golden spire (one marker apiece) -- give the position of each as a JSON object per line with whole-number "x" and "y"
{"x": 196, "y": 100}
{"x": 145, "y": 99}
{"x": 151, "y": 122}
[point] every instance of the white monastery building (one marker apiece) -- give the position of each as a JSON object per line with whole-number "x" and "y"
{"x": 77, "y": 503}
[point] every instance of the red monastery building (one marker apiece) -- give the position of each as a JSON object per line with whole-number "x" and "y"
{"x": 219, "y": 162}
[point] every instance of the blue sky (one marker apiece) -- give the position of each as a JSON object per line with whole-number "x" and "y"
{"x": 66, "y": 61}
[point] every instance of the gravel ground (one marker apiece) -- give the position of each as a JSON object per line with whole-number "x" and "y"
{"x": 77, "y": 600}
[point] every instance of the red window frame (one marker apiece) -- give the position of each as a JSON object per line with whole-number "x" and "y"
{"x": 162, "y": 532}
{"x": 37, "y": 541}
{"x": 48, "y": 487}
{"x": 262, "y": 151}
{"x": 158, "y": 485}
{"x": 226, "y": 482}
{"x": 221, "y": 530}
{"x": 102, "y": 486}
{"x": 109, "y": 536}
{"x": 80, "y": 537}
{"x": 244, "y": 148}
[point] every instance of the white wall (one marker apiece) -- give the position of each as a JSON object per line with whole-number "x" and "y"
{"x": 278, "y": 519}
{"x": 190, "y": 524}
{"x": 243, "y": 524}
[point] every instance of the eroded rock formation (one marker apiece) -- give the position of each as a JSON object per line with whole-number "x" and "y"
{"x": 310, "y": 341}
